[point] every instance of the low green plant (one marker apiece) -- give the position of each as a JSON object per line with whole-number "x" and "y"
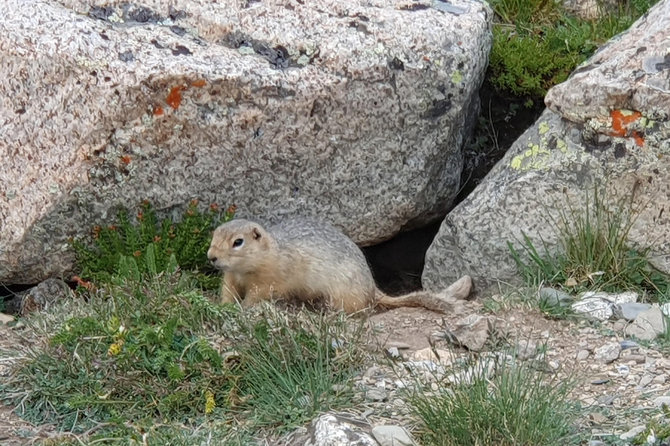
{"x": 151, "y": 350}
{"x": 294, "y": 368}
{"x": 537, "y": 43}
{"x": 186, "y": 239}
{"x": 593, "y": 252}
{"x": 495, "y": 402}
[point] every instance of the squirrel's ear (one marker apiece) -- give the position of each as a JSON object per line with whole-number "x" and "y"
{"x": 256, "y": 232}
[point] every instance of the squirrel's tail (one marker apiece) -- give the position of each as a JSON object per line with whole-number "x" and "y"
{"x": 445, "y": 301}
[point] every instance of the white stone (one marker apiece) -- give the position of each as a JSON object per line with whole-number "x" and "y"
{"x": 607, "y": 353}
{"x": 388, "y": 435}
{"x": 594, "y": 307}
{"x": 648, "y": 324}
{"x": 331, "y": 430}
{"x": 632, "y": 433}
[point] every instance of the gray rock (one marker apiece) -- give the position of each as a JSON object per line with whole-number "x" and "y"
{"x": 628, "y": 344}
{"x": 526, "y": 349}
{"x": 608, "y": 352}
{"x": 630, "y": 310}
{"x": 648, "y": 324}
{"x": 645, "y": 380}
{"x": 354, "y": 112}
{"x": 43, "y": 295}
{"x": 376, "y": 394}
{"x": 6, "y": 318}
{"x": 582, "y": 355}
{"x": 580, "y": 141}
{"x": 388, "y": 435}
{"x": 336, "y": 430}
{"x": 471, "y": 332}
{"x": 632, "y": 433}
{"x": 662, "y": 401}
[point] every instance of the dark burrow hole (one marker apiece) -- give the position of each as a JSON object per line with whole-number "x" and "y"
{"x": 397, "y": 264}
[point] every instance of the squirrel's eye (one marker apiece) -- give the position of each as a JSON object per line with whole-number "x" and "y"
{"x": 238, "y": 242}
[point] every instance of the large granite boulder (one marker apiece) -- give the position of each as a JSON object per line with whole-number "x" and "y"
{"x": 353, "y": 111}
{"x": 607, "y": 127}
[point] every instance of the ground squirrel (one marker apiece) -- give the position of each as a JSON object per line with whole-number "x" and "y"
{"x": 311, "y": 261}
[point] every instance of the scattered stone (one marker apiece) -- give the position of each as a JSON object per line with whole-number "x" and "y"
{"x": 608, "y": 352}
{"x": 607, "y": 400}
{"x": 630, "y": 310}
{"x": 600, "y": 381}
{"x": 376, "y": 394}
{"x": 597, "y": 418}
{"x": 336, "y": 430}
{"x": 637, "y": 359}
{"x": 662, "y": 401}
{"x": 596, "y": 443}
{"x": 43, "y": 295}
{"x": 388, "y": 435}
{"x": 665, "y": 308}
{"x": 437, "y": 355}
{"x": 393, "y": 352}
{"x": 628, "y": 343}
{"x": 648, "y": 324}
{"x": 582, "y": 355}
{"x": 554, "y": 298}
{"x": 6, "y": 318}
{"x": 399, "y": 345}
{"x": 471, "y": 332}
{"x": 645, "y": 380}
{"x": 594, "y": 307}
{"x": 526, "y": 349}
{"x": 659, "y": 379}
{"x": 632, "y": 433}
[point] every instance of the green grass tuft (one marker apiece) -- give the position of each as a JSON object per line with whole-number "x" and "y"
{"x": 517, "y": 406}
{"x": 134, "y": 355}
{"x": 594, "y": 252}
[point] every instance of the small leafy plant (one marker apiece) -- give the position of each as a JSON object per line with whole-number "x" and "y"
{"x": 186, "y": 240}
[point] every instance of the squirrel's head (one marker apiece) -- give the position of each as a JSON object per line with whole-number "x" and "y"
{"x": 238, "y": 246}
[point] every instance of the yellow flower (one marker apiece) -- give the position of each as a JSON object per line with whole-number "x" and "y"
{"x": 210, "y": 404}
{"x": 115, "y": 348}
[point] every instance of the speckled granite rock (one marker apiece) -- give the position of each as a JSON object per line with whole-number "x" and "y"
{"x": 353, "y": 111}
{"x": 608, "y": 124}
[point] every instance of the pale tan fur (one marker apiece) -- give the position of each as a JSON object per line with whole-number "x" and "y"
{"x": 309, "y": 261}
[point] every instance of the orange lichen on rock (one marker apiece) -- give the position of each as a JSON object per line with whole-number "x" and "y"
{"x": 125, "y": 159}
{"x": 174, "y": 98}
{"x": 621, "y": 120}
{"x": 158, "y": 110}
{"x": 83, "y": 283}
{"x": 199, "y": 83}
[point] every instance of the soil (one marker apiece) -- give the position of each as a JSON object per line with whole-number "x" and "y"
{"x": 615, "y": 396}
